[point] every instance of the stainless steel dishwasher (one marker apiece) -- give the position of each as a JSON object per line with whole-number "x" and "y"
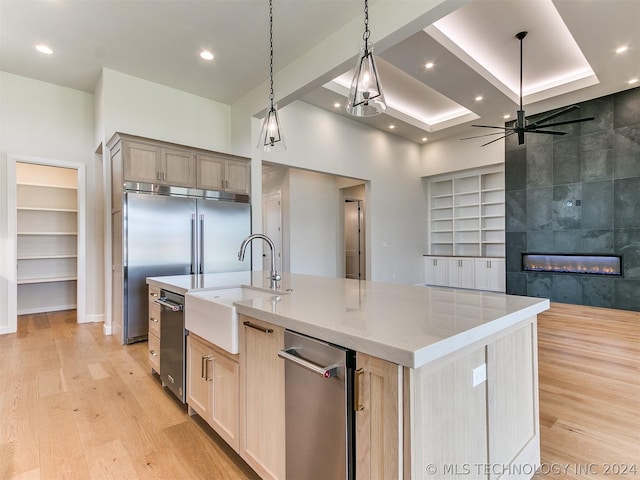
{"x": 320, "y": 422}
{"x": 172, "y": 343}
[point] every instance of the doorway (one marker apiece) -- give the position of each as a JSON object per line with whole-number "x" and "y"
{"x": 354, "y": 239}
{"x": 45, "y": 201}
{"x": 272, "y": 228}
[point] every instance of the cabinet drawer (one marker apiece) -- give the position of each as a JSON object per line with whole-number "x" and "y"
{"x": 154, "y": 352}
{"x": 154, "y": 319}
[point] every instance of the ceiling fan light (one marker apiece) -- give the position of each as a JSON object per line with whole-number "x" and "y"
{"x": 271, "y": 138}
{"x": 366, "y": 97}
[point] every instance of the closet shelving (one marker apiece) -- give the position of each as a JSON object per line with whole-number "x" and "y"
{"x": 46, "y": 241}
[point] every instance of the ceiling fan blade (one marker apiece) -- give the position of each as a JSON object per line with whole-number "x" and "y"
{"x": 549, "y": 132}
{"x": 566, "y": 122}
{"x": 507, "y": 135}
{"x": 491, "y": 126}
{"x": 485, "y": 135}
{"x": 554, "y": 115}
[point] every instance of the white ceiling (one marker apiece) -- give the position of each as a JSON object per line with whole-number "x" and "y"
{"x": 474, "y": 52}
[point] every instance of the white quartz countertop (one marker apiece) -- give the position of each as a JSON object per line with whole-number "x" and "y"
{"x": 407, "y": 325}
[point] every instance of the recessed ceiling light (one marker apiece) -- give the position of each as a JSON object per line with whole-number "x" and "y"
{"x": 622, "y": 49}
{"x": 424, "y": 139}
{"x": 632, "y": 81}
{"x": 336, "y": 105}
{"x": 391, "y": 127}
{"x": 479, "y": 98}
{"x": 429, "y": 65}
{"x": 206, "y": 55}
{"x": 44, "y": 49}
{"x": 508, "y": 115}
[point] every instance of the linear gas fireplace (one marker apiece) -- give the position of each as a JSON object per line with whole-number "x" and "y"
{"x": 572, "y": 263}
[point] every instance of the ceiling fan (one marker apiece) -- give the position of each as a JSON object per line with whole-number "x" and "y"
{"x": 522, "y": 125}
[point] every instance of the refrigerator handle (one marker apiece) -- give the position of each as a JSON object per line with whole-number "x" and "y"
{"x": 201, "y": 252}
{"x": 193, "y": 243}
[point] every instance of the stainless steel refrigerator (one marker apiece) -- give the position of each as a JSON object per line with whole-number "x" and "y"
{"x": 168, "y": 234}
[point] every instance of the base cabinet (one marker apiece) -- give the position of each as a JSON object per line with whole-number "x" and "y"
{"x": 213, "y": 387}
{"x": 262, "y": 398}
{"x": 378, "y": 405}
{"x": 154, "y": 330}
{"x": 479, "y": 273}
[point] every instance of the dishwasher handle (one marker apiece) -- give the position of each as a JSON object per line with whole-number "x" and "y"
{"x": 291, "y": 355}
{"x": 174, "y": 307}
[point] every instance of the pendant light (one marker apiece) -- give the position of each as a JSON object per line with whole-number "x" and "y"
{"x": 366, "y": 97}
{"x": 271, "y": 138}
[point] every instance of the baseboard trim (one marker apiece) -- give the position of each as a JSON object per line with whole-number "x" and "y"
{"x": 106, "y": 329}
{"x": 50, "y": 308}
{"x": 92, "y": 319}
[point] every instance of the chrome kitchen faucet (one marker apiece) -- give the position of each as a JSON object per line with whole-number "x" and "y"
{"x": 274, "y": 276}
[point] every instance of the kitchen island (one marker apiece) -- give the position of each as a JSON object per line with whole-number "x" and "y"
{"x": 447, "y": 378}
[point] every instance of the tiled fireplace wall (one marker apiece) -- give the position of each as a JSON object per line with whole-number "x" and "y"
{"x": 578, "y": 193}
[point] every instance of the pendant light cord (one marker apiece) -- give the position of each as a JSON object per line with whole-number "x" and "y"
{"x": 365, "y": 35}
{"x": 271, "y": 51}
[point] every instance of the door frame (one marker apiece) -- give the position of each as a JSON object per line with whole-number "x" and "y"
{"x": 11, "y": 251}
{"x": 362, "y": 254}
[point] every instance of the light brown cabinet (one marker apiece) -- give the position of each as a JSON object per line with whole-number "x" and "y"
{"x": 262, "y": 397}
{"x": 378, "y": 405}
{"x": 149, "y": 163}
{"x": 220, "y": 173}
{"x": 213, "y": 387}
{"x": 154, "y": 330}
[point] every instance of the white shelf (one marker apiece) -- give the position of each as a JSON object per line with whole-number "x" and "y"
{"x": 485, "y": 190}
{"x": 45, "y": 257}
{"x": 25, "y": 281}
{"x": 43, "y": 185}
{"x": 43, "y": 209}
{"x": 47, "y": 233}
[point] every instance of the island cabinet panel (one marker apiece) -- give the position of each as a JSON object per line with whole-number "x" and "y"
{"x": 213, "y": 387}
{"x": 378, "y": 418}
{"x": 262, "y": 398}
{"x": 448, "y": 420}
{"x": 154, "y": 330}
{"x": 513, "y": 399}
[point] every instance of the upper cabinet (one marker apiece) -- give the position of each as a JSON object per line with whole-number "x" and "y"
{"x": 217, "y": 172}
{"x": 148, "y": 163}
{"x": 138, "y": 159}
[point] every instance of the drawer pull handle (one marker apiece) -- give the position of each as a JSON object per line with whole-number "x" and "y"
{"x": 154, "y": 319}
{"x": 258, "y": 327}
{"x": 153, "y": 294}
{"x": 153, "y": 352}
{"x": 356, "y": 401}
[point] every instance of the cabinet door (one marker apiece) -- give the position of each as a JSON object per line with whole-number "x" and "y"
{"x": 199, "y": 377}
{"x": 141, "y": 162}
{"x": 262, "y": 416}
{"x": 225, "y": 411}
{"x": 436, "y": 271}
{"x": 237, "y": 176}
{"x": 378, "y": 423}
{"x": 490, "y": 274}
{"x": 154, "y": 352}
{"x": 178, "y": 168}
{"x": 461, "y": 272}
{"x": 211, "y": 173}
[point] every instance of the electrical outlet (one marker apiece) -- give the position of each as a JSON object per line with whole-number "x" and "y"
{"x": 479, "y": 374}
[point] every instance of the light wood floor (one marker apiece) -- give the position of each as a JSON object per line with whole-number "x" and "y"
{"x": 76, "y": 404}
{"x": 589, "y": 373}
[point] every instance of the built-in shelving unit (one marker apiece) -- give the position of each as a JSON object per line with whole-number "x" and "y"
{"x": 466, "y": 213}
{"x": 47, "y": 222}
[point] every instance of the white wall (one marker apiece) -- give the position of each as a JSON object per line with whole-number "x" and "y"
{"x": 39, "y": 119}
{"x": 139, "y": 107}
{"x": 322, "y": 141}
{"x": 313, "y": 220}
{"x": 452, "y": 154}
